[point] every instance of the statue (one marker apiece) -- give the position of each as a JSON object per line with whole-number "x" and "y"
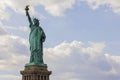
{"x": 36, "y": 39}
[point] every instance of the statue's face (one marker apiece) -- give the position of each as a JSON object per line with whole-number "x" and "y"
{"x": 36, "y": 22}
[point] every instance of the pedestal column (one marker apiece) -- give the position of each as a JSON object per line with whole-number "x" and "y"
{"x": 35, "y": 72}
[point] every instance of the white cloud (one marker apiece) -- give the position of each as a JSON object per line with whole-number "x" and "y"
{"x": 9, "y": 77}
{"x": 77, "y": 60}
{"x": 69, "y": 61}
{"x": 20, "y": 28}
{"x": 3, "y": 13}
{"x": 54, "y": 7}
{"x": 13, "y": 51}
{"x": 111, "y": 4}
{"x": 17, "y": 6}
{"x": 57, "y": 7}
{"x": 13, "y": 54}
{"x": 2, "y": 30}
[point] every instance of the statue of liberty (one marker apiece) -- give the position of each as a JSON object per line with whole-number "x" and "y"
{"x": 36, "y": 39}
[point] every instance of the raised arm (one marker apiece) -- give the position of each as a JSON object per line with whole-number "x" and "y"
{"x": 27, "y": 14}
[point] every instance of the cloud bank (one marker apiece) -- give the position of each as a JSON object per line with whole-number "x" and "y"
{"x": 13, "y": 54}
{"x": 79, "y": 61}
{"x": 69, "y": 60}
{"x": 54, "y": 7}
{"x": 113, "y": 5}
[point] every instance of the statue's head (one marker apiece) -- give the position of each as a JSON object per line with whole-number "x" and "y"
{"x": 36, "y": 21}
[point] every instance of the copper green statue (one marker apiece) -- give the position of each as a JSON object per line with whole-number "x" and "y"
{"x": 36, "y": 39}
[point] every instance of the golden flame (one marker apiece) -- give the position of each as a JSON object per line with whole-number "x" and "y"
{"x": 27, "y": 5}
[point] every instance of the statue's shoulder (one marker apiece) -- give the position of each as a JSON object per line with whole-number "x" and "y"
{"x": 32, "y": 26}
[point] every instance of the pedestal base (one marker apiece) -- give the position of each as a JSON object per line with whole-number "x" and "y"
{"x": 35, "y": 73}
{"x": 35, "y": 64}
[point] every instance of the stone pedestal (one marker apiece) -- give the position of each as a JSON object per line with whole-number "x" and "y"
{"x": 35, "y": 73}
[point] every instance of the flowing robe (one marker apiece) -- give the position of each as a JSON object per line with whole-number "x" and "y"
{"x": 36, "y": 39}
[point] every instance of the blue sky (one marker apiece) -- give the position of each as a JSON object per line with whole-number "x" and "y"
{"x": 82, "y": 38}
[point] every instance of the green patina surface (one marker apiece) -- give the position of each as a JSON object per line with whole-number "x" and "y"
{"x": 36, "y": 39}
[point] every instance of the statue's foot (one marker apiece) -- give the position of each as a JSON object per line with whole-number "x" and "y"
{"x": 33, "y": 64}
